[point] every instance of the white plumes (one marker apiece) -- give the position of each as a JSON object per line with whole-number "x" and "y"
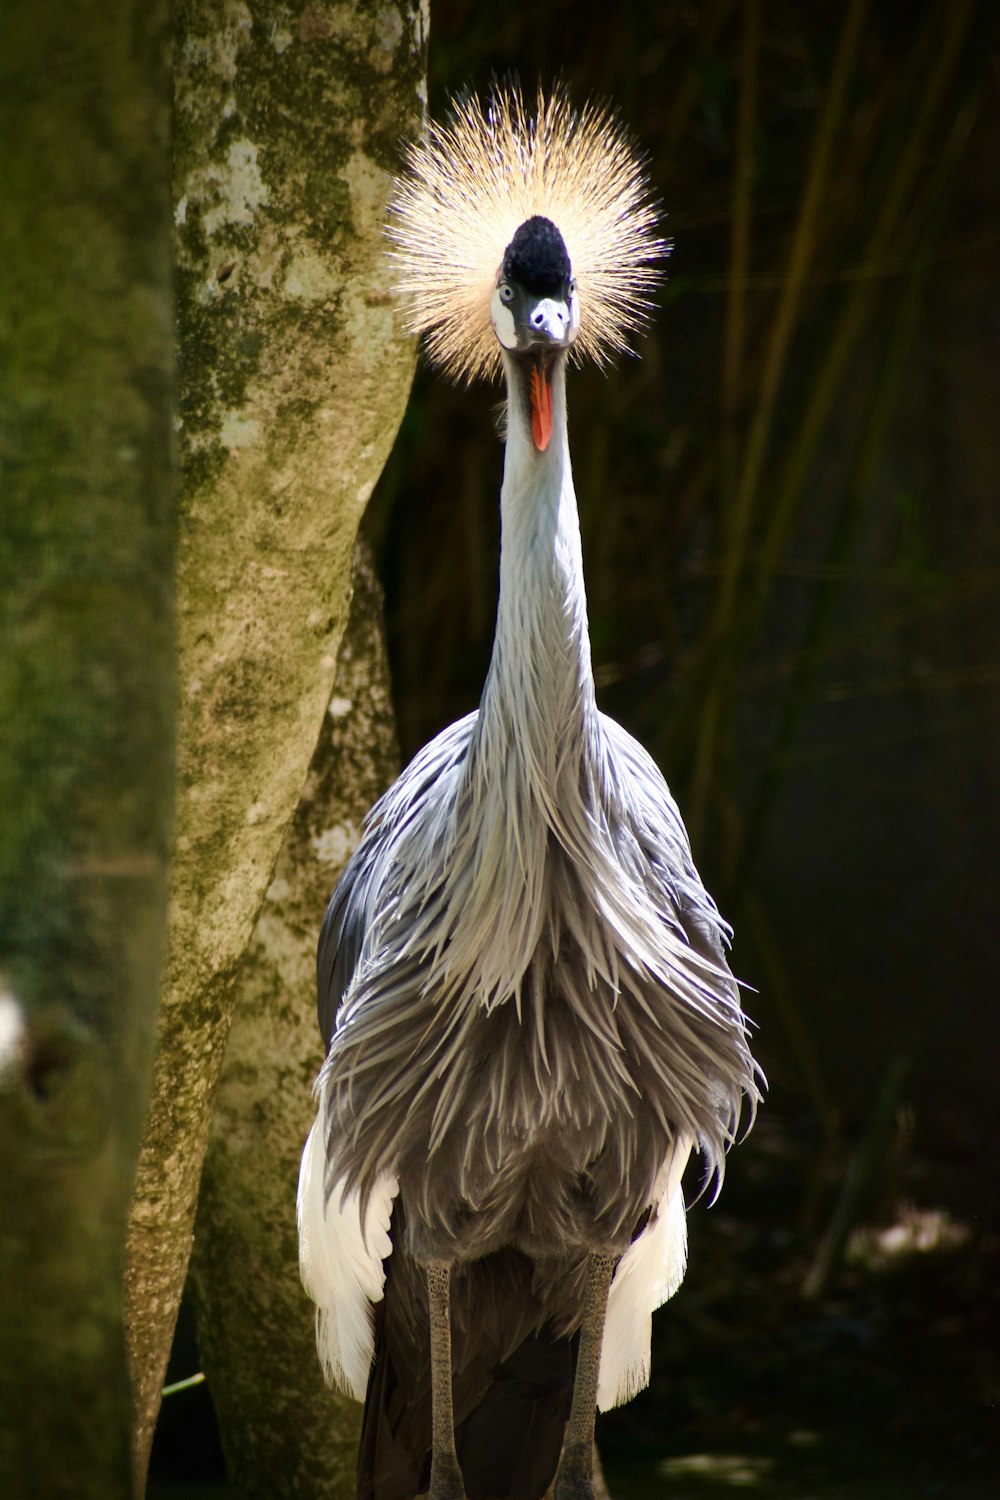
{"x": 473, "y": 181}
{"x": 649, "y": 1273}
{"x": 340, "y": 1261}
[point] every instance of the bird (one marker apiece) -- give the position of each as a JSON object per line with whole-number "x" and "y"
{"x": 522, "y": 981}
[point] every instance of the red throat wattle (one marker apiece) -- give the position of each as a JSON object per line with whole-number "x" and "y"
{"x": 541, "y": 407}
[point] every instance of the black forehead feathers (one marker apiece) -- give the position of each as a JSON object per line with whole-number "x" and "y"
{"x": 537, "y": 258}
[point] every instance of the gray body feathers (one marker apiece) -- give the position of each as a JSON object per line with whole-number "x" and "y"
{"x": 531, "y": 1102}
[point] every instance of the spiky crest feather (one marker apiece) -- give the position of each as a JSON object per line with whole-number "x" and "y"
{"x": 472, "y": 181}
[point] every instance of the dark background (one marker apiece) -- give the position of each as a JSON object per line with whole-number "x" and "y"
{"x": 814, "y": 659}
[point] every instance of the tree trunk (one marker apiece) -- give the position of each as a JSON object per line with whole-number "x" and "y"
{"x": 293, "y": 382}
{"x": 283, "y": 1431}
{"x": 86, "y": 703}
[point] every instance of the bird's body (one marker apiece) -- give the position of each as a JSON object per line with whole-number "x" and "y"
{"x": 529, "y": 1017}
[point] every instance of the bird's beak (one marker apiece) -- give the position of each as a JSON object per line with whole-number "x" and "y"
{"x": 541, "y": 403}
{"x": 548, "y": 322}
{"x": 547, "y": 328}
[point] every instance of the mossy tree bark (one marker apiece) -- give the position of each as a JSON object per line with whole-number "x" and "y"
{"x": 293, "y": 382}
{"x": 284, "y": 1432}
{"x": 87, "y": 706}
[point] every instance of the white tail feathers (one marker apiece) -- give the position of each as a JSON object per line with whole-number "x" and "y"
{"x": 649, "y": 1272}
{"x": 340, "y": 1260}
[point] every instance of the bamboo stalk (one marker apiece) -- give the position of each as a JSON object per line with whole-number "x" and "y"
{"x": 738, "y": 523}
{"x": 797, "y": 1030}
{"x": 948, "y": 29}
{"x": 861, "y": 1174}
{"x": 713, "y": 18}
{"x": 872, "y": 445}
{"x": 739, "y": 243}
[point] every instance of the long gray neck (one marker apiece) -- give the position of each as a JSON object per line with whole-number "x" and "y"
{"x": 528, "y": 780}
{"x": 539, "y": 696}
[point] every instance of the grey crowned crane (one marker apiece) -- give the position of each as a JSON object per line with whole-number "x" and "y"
{"x": 522, "y": 984}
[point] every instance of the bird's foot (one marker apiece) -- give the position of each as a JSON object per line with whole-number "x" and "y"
{"x": 575, "y": 1479}
{"x": 446, "y": 1478}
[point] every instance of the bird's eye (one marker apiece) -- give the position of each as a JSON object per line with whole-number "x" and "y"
{"x": 572, "y": 286}
{"x": 506, "y": 292}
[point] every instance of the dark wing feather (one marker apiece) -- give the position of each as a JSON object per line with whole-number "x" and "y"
{"x": 343, "y": 933}
{"x": 659, "y": 829}
{"x": 357, "y": 899}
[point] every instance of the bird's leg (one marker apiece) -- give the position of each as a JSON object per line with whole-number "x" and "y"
{"x": 574, "y": 1480}
{"x": 446, "y": 1476}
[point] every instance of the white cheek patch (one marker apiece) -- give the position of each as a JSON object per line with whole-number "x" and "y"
{"x": 503, "y": 323}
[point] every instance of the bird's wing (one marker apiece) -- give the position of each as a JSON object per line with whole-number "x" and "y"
{"x": 343, "y": 932}
{"x": 655, "y": 823}
{"x": 344, "y": 1239}
{"x": 351, "y": 925}
{"x": 653, "y": 843}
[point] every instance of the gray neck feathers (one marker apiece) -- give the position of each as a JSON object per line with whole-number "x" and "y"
{"x": 528, "y": 778}
{"x": 537, "y": 711}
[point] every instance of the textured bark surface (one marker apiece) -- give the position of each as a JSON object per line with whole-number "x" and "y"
{"x": 284, "y": 1432}
{"x": 293, "y": 381}
{"x": 86, "y": 704}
